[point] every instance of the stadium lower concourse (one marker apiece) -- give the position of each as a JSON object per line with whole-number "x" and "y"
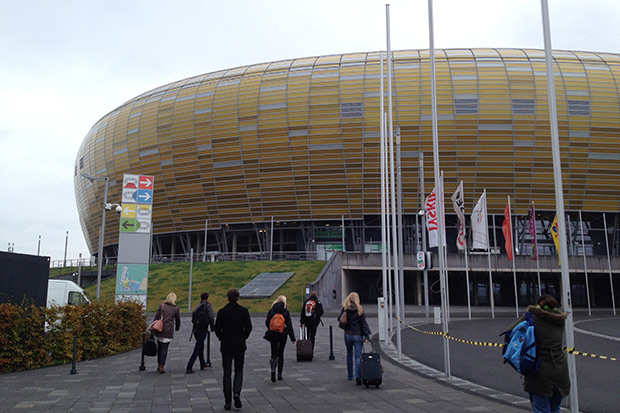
{"x": 282, "y": 159}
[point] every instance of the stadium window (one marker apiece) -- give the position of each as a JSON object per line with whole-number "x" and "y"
{"x": 523, "y": 106}
{"x": 579, "y": 108}
{"x": 351, "y": 110}
{"x": 465, "y": 106}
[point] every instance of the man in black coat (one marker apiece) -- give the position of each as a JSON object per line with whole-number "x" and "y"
{"x": 232, "y": 327}
{"x": 311, "y": 313}
{"x": 202, "y": 319}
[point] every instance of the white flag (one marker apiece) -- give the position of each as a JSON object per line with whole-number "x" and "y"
{"x": 430, "y": 205}
{"x": 459, "y": 207}
{"x": 479, "y": 226}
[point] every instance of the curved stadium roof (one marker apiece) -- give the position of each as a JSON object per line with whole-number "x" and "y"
{"x": 298, "y": 140}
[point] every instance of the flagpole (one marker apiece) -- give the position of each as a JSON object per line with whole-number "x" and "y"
{"x": 467, "y": 267}
{"x": 395, "y": 262}
{"x": 535, "y": 245}
{"x": 423, "y": 218}
{"x": 442, "y": 277}
{"x": 383, "y": 197}
{"x": 444, "y": 246}
{"x": 611, "y": 283}
{"x": 585, "y": 263}
{"x": 559, "y": 200}
{"x": 389, "y": 223}
{"x": 401, "y": 260}
{"x": 491, "y": 295}
{"x": 512, "y": 252}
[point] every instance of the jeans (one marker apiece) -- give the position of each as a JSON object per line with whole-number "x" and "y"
{"x": 199, "y": 349}
{"x": 544, "y": 404}
{"x": 353, "y": 342}
{"x": 162, "y": 352}
{"x": 227, "y": 360}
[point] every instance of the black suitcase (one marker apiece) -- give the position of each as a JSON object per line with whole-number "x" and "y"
{"x": 304, "y": 346}
{"x": 371, "y": 371}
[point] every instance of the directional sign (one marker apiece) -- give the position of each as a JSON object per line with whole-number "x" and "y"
{"x": 143, "y": 225}
{"x": 128, "y": 211}
{"x": 130, "y": 181}
{"x": 145, "y": 182}
{"x": 144, "y": 211}
{"x": 128, "y": 225}
{"x": 145, "y": 196}
{"x": 129, "y": 195}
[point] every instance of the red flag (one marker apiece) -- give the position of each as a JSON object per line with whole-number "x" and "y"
{"x": 507, "y": 230}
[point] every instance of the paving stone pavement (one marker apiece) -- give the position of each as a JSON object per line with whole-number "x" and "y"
{"x": 116, "y": 384}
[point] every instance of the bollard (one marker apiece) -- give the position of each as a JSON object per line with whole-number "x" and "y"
{"x": 73, "y": 361}
{"x": 142, "y": 366}
{"x": 331, "y": 344}
{"x": 208, "y": 363}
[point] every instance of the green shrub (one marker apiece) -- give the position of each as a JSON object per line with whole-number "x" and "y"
{"x": 32, "y": 337}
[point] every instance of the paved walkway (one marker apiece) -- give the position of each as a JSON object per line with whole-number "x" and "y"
{"x": 116, "y": 383}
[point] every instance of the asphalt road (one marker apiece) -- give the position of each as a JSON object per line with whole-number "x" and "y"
{"x": 598, "y": 381}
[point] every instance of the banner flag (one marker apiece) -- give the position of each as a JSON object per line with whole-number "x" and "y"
{"x": 507, "y": 230}
{"x": 479, "y": 224}
{"x": 555, "y": 234}
{"x": 459, "y": 207}
{"x": 532, "y": 230}
{"x": 430, "y": 205}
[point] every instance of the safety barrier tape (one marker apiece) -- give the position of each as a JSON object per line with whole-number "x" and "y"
{"x": 570, "y": 350}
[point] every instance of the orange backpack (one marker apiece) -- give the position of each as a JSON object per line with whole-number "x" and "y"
{"x": 276, "y": 323}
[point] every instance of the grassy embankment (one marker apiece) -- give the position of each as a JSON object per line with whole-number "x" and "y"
{"x": 216, "y": 278}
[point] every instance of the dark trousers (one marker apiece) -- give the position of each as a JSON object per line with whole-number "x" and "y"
{"x": 312, "y": 333}
{"x": 227, "y": 361}
{"x": 162, "y": 352}
{"x": 277, "y": 350}
{"x": 199, "y": 349}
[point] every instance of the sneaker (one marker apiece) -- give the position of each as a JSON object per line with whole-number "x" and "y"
{"x": 237, "y": 400}
{"x": 204, "y": 366}
{"x": 190, "y": 371}
{"x": 227, "y": 406}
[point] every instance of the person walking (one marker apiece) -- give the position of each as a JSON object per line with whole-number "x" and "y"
{"x": 169, "y": 314}
{"x": 202, "y": 319}
{"x": 552, "y": 382}
{"x": 356, "y": 332}
{"x": 232, "y": 327}
{"x": 279, "y": 326}
{"x": 311, "y": 313}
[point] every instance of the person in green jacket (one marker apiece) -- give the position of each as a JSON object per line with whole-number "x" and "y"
{"x": 552, "y": 382}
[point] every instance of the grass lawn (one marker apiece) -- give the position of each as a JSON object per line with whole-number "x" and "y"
{"x": 216, "y": 278}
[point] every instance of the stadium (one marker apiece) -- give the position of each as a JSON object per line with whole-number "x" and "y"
{"x": 283, "y": 158}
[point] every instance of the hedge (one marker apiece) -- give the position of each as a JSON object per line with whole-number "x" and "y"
{"x": 33, "y": 337}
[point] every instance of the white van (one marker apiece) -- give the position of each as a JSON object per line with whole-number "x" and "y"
{"x": 64, "y": 292}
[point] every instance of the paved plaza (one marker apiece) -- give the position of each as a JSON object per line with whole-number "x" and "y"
{"x": 116, "y": 383}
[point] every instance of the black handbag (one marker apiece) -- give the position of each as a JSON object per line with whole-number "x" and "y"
{"x": 149, "y": 348}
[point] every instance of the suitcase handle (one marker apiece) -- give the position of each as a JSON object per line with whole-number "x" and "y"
{"x": 303, "y": 333}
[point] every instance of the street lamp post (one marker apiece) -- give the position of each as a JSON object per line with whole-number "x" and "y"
{"x": 102, "y": 230}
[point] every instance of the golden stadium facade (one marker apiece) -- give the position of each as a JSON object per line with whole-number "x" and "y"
{"x": 296, "y": 143}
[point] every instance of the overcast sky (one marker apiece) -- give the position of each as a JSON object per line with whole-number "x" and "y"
{"x": 65, "y": 64}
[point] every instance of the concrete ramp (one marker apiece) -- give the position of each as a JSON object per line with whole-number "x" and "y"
{"x": 264, "y": 284}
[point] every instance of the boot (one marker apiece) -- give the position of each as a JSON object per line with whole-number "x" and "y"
{"x": 273, "y": 363}
{"x": 280, "y": 368}
{"x": 160, "y": 368}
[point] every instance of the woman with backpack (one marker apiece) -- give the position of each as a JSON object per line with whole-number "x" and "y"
{"x": 356, "y": 331}
{"x": 552, "y": 382}
{"x": 279, "y": 326}
{"x": 168, "y": 312}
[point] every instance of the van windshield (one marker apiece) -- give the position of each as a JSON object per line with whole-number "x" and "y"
{"x": 76, "y": 298}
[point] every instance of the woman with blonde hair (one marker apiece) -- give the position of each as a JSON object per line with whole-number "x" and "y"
{"x": 279, "y": 326}
{"x": 356, "y": 331}
{"x": 169, "y": 314}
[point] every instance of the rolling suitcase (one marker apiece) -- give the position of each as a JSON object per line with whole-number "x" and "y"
{"x": 371, "y": 371}
{"x": 304, "y": 346}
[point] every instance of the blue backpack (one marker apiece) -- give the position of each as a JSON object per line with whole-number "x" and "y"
{"x": 522, "y": 347}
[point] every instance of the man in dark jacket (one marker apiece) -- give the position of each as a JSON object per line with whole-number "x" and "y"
{"x": 202, "y": 319}
{"x": 232, "y": 327}
{"x": 311, "y": 313}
